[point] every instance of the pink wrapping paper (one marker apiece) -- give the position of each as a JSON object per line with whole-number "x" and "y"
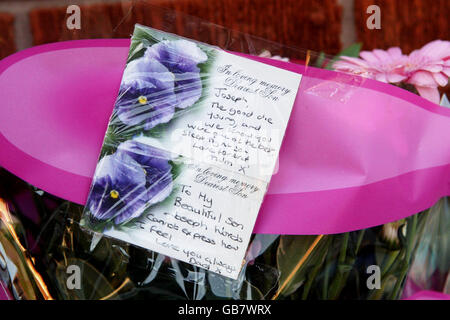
{"x": 357, "y": 153}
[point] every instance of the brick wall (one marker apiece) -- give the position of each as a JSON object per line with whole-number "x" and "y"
{"x": 312, "y": 24}
{"x": 7, "y": 43}
{"x": 326, "y": 25}
{"x": 409, "y": 24}
{"x": 320, "y": 25}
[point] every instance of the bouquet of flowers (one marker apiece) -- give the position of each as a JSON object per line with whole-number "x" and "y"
{"x": 41, "y": 239}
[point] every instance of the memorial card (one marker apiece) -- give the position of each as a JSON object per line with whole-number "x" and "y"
{"x": 191, "y": 146}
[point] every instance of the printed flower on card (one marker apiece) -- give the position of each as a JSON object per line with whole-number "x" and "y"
{"x": 119, "y": 190}
{"x": 155, "y": 163}
{"x": 165, "y": 78}
{"x": 146, "y": 95}
{"x": 181, "y": 57}
{"x": 129, "y": 181}
{"x": 137, "y": 175}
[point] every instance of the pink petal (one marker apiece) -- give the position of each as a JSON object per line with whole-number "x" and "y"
{"x": 395, "y": 52}
{"x": 343, "y": 65}
{"x": 436, "y": 50}
{"x": 446, "y": 71}
{"x": 423, "y": 79}
{"x": 369, "y": 56}
{"x": 351, "y": 68}
{"x": 432, "y": 68}
{"x": 382, "y": 55}
{"x": 430, "y": 46}
{"x": 395, "y": 77}
{"x": 381, "y": 77}
{"x": 356, "y": 61}
{"x": 441, "y": 79}
{"x": 414, "y": 55}
{"x": 431, "y": 94}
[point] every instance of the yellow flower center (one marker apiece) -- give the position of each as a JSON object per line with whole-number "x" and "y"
{"x": 114, "y": 194}
{"x": 142, "y": 100}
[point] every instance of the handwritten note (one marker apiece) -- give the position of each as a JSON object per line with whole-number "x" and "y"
{"x": 240, "y": 124}
{"x": 224, "y": 146}
{"x": 207, "y": 222}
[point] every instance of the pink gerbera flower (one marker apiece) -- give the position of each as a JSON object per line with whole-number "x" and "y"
{"x": 428, "y": 68}
{"x": 381, "y": 65}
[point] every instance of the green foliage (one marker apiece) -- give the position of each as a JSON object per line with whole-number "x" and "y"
{"x": 352, "y": 51}
{"x": 296, "y": 256}
{"x": 334, "y": 269}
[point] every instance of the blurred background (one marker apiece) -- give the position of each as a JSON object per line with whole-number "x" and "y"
{"x": 320, "y": 25}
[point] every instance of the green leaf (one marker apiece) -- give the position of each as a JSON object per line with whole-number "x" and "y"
{"x": 296, "y": 255}
{"x": 320, "y": 60}
{"x": 352, "y": 51}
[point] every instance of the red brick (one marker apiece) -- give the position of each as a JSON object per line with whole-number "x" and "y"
{"x": 7, "y": 45}
{"x": 311, "y": 24}
{"x": 408, "y": 24}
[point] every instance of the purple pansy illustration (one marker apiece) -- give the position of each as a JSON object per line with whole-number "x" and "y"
{"x": 146, "y": 95}
{"x": 178, "y": 56}
{"x": 181, "y": 57}
{"x": 129, "y": 181}
{"x": 119, "y": 190}
{"x": 138, "y": 175}
{"x": 155, "y": 163}
{"x": 167, "y": 76}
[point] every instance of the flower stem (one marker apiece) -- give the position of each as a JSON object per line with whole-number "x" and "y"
{"x": 410, "y": 237}
{"x": 336, "y": 285}
{"x": 297, "y": 267}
